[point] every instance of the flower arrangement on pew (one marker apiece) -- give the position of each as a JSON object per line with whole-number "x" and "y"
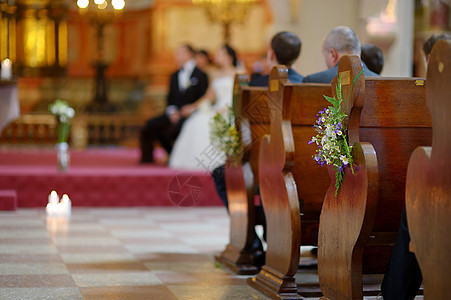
{"x": 331, "y": 139}
{"x": 224, "y": 135}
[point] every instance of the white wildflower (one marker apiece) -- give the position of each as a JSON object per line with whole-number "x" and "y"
{"x": 344, "y": 159}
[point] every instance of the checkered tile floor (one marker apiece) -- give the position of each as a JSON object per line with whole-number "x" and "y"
{"x": 118, "y": 253}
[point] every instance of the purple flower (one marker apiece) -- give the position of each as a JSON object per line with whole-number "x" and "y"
{"x": 322, "y": 163}
{"x": 340, "y": 169}
{"x": 310, "y": 142}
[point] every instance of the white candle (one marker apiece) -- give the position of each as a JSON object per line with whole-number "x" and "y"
{"x": 53, "y": 197}
{"x": 51, "y": 209}
{"x": 6, "y": 72}
{"x": 66, "y": 205}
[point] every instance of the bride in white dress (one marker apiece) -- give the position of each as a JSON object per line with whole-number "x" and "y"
{"x": 192, "y": 149}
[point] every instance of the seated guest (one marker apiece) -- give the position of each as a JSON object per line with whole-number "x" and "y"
{"x": 427, "y": 46}
{"x": 285, "y": 49}
{"x": 373, "y": 57}
{"x": 403, "y": 277}
{"x": 260, "y": 67}
{"x": 342, "y": 40}
{"x": 192, "y": 149}
{"x": 187, "y": 85}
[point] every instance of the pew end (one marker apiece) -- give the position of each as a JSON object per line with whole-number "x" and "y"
{"x": 241, "y": 176}
{"x": 292, "y": 187}
{"x": 428, "y": 183}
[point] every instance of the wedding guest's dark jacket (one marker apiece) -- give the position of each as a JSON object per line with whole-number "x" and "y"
{"x": 263, "y": 80}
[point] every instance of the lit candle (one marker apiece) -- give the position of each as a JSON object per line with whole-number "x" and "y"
{"x": 51, "y": 209}
{"x": 6, "y": 72}
{"x": 52, "y": 206}
{"x": 53, "y": 197}
{"x": 66, "y": 205}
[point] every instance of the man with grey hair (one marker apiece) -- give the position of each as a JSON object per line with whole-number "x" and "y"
{"x": 342, "y": 40}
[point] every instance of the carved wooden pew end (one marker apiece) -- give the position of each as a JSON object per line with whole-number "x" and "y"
{"x": 241, "y": 176}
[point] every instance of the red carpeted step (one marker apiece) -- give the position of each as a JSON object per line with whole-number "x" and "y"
{"x": 8, "y": 200}
{"x": 102, "y": 177}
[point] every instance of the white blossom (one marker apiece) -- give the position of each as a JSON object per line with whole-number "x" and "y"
{"x": 344, "y": 159}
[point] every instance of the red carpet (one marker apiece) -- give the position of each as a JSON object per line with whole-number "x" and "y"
{"x": 102, "y": 177}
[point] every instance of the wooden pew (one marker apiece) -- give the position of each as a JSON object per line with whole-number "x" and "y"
{"x": 290, "y": 182}
{"x": 388, "y": 119}
{"x": 428, "y": 185}
{"x": 276, "y": 278}
{"x": 252, "y": 119}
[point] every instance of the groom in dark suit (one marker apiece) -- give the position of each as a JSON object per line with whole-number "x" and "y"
{"x": 187, "y": 85}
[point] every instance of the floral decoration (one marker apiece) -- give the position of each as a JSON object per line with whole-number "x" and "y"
{"x": 224, "y": 135}
{"x": 63, "y": 113}
{"x": 331, "y": 138}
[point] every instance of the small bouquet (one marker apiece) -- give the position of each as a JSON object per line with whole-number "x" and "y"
{"x": 224, "y": 135}
{"x": 331, "y": 139}
{"x": 63, "y": 113}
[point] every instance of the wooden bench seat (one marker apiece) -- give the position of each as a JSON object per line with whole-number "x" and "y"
{"x": 388, "y": 119}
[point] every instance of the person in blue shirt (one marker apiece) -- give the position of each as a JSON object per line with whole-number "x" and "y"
{"x": 285, "y": 50}
{"x": 342, "y": 40}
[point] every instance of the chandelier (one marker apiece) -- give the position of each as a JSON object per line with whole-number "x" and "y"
{"x": 226, "y": 12}
{"x": 102, "y": 4}
{"x": 100, "y": 12}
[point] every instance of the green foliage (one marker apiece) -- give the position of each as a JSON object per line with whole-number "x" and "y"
{"x": 63, "y": 113}
{"x": 224, "y": 135}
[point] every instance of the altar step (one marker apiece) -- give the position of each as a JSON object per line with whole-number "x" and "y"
{"x": 102, "y": 178}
